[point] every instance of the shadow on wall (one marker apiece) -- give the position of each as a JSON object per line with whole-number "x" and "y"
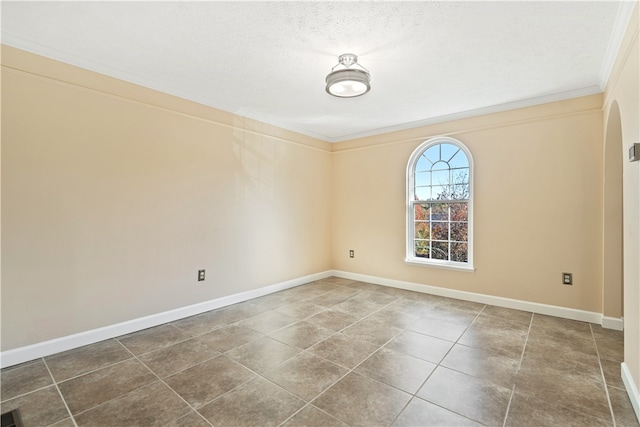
{"x": 614, "y": 154}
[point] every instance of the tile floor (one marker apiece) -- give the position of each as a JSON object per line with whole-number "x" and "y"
{"x": 335, "y": 352}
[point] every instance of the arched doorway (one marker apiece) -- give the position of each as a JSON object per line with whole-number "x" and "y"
{"x": 612, "y": 268}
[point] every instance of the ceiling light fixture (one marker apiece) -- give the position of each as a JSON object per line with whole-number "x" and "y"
{"x": 348, "y": 82}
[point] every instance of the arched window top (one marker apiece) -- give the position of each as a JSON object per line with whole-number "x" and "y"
{"x": 439, "y": 208}
{"x": 440, "y": 169}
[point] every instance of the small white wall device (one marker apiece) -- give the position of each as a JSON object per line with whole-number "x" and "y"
{"x": 634, "y": 152}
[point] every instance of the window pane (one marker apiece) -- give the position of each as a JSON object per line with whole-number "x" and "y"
{"x": 459, "y": 160}
{"x": 439, "y": 192}
{"x": 423, "y": 164}
{"x": 422, "y": 230}
{"x": 460, "y": 176}
{"x": 448, "y": 151}
{"x": 433, "y": 153}
{"x": 459, "y": 231}
{"x": 421, "y": 212}
{"x": 439, "y": 212}
{"x": 440, "y": 177}
{"x": 422, "y": 178}
{"x": 440, "y": 230}
{"x": 459, "y": 211}
{"x": 440, "y": 166}
{"x": 459, "y": 192}
{"x": 459, "y": 252}
{"x": 422, "y": 249}
{"x": 440, "y": 250}
{"x": 422, "y": 193}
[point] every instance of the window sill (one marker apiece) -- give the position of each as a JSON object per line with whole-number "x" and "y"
{"x": 446, "y": 265}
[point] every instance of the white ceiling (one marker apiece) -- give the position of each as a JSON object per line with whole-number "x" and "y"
{"x": 429, "y": 61}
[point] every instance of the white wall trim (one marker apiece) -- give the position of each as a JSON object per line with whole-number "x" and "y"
{"x": 550, "y": 310}
{"x": 615, "y": 42}
{"x": 615, "y": 323}
{"x": 632, "y": 389}
{"x": 46, "y": 348}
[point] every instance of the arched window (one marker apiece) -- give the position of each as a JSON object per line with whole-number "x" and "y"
{"x": 439, "y": 204}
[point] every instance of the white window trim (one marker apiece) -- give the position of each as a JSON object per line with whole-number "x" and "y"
{"x": 410, "y": 257}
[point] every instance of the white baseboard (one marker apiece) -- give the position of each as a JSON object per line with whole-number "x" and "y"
{"x": 551, "y": 310}
{"x": 615, "y": 323}
{"x": 632, "y": 389}
{"x": 46, "y": 348}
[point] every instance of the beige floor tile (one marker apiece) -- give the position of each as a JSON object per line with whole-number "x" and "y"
{"x": 229, "y": 337}
{"x": 302, "y": 334}
{"x": 425, "y": 347}
{"x": 153, "y": 338}
{"x": 192, "y": 419}
{"x": 470, "y": 306}
{"x": 153, "y": 405}
{"x": 81, "y": 360}
{"x": 512, "y": 315}
{"x": 562, "y": 357}
{"x": 269, "y": 321}
{"x": 344, "y": 350}
{"x": 311, "y": 416}
{"x": 332, "y": 298}
{"x": 203, "y": 323}
{"x": 263, "y": 354}
{"x": 420, "y": 413}
{"x": 527, "y": 412}
{"x": 169, "y": 360}
{"x": 610, "y": 343}
{"x": 300, "y": 310}
{"x": 241, "y": 311}
{"x": 438, "y": 328}
{"x": 271, "y": 301}
{"x": 622, "y": 408}
{"x": 338, "y": 280}
{"x": 396, "y": 369}
{"x": 376, "y": 331}
{"x": 361, "y": 401}
{"x": 612, "y": 373}
{"x": 306, "y": 375}
{"x": 258, "y": 403}
{"x": 39, "y": 408}
{"x": 372, "y": 296}
{"x": 503, "y": 338}
{"x": 452, "y": 315}
{"x": 67, "y": 422}
{"x": 477, "y": 399}
{"x": 574, "y": 390}
{"x": 357, "y": 308}
{"x": 482, "y": 363}
{"x": 97, "y": 387}
{"x": 334, "y": 320}
{"x": 560, "y": 329}
{"x": 24, "y": 378}
{"x": 363, "y": 286}
{"x": 202, "y": 383}
{"x": 394, "y": 317}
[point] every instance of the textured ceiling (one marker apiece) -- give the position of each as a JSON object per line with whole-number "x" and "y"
{"x": 429, "y": 61}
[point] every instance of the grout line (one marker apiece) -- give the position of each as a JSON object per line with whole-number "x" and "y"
{"x": 513, "y": 389}
{"x": 73, "y": 420}
{"x": 169, "y": 387}
{"x": 604, "y": 380}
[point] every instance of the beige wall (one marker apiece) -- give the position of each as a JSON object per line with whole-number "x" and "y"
{"x": 113, "y": 196}
{"x": 537, "y": 207}
{"x": 623, "y": 94}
